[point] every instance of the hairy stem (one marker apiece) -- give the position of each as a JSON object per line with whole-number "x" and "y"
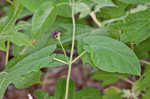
{"x": 72, "y": 50}
{"x": 7, "y": 52}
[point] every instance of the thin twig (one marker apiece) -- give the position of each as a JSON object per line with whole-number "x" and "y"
{"x": 78, "y": 57}
{"x": 63, "y": 49}
{"x": 60, "y": 61}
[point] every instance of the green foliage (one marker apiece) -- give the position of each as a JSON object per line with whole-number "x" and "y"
{"x": 112, "y": 94}
{"x": 88, "y": 93}
{"x": 123, "y": 22}
{"x": 118, "y": 58}
{"x": 43, "y": 18}
{"x": 131, "y": 28}
{"x": 135, "y": 1}
{"x": 25, "y": 65}
{"x": 32, "y": 5}
{"x": 41, "y": 94}
{"x": 143, "y": 83}
{"x": 108, "y": 78}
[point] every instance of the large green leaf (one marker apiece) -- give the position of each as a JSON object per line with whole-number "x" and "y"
{"x": 43, "y": 18}
{"x": 31, "y": 62}
{"x": 134, "y": 28}
{"x": 111, "y": 55}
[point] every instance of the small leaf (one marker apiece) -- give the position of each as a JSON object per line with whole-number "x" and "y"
{"x": 61, "y": 88}
{"x": 112, "y": 94}
{"x": 43, "y": 19}
{"x": 2, "y": 45}
{"x": 41, "y": 94}
{"x": 143, "y": 83}
{"x": 88, "y": 93}
{"x": 111, "y": 55}
{"x": 108, "y": 78}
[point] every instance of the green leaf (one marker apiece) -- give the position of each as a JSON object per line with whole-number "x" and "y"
{"x": 61, "y": 88}
{"x": 30, "y": 62}
{"x": 43, "y": 18}
{"x": 111, "y": 55}
{"x": 2, "y": 45}
{"x": 142, "y": 50}
{"x": 41, "y": 94}
{"x": 108, "y": 78}
{"x": 28, "y": 80}
{"x": 14, "y": 14}
{"x": 112, "y": 94}
{"x": 135, "y": 1}
{"x": 17, "y": 38}
{"x": 147, "y": 95}
{"x": 143, "y": 83}
{"x": 102, "y": 3}
{"x": 134, "y": 28}
{"x": 83, "y": 9}
{"x": 88, "y": 93}
{"x": 32, "y": 5}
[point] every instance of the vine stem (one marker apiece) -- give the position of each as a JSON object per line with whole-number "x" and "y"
{"x": 7, "y": 52}
{"x": 72, "y": 50}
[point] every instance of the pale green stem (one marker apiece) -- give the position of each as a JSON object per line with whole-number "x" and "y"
{"x": 72, "y": 51}
{"x": 60, "y": 61}
{"x": 78, "y": 57}
{"x": 145, "y": 62}
{"x": 7, "y": 52}
{"x": 63, "y": 49}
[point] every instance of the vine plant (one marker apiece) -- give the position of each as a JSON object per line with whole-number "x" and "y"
{"x": 111, "y": 36}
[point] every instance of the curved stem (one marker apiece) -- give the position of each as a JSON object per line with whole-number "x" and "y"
{"x": 7, "y": 52}
{"x": 72, "y": 50}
